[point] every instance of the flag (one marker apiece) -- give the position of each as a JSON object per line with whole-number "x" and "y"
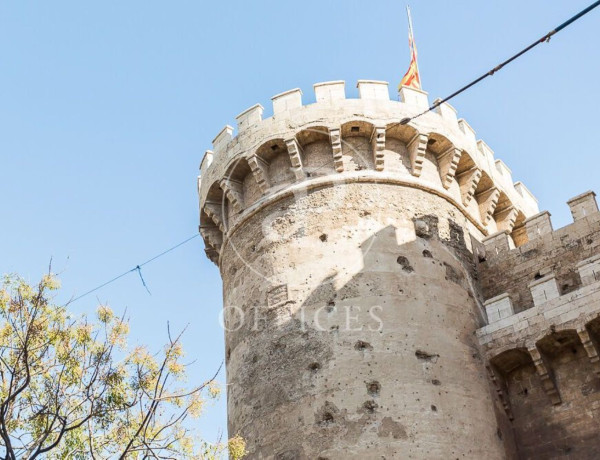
{"x": 411, "y": 78}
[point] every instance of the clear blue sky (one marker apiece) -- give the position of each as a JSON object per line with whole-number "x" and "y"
{"x": 107, "y": 107}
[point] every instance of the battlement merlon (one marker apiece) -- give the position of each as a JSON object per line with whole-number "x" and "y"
{"x": 583, "y": 206}
{"x": 451, "y": 141}
{"x": 552, "y": 264}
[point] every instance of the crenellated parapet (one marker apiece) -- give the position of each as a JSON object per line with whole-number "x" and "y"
{"x": 337, "y": 139}
{"x": 543, "y": 297}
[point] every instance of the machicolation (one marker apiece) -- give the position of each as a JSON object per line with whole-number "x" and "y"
{"x": 390, "y": 292}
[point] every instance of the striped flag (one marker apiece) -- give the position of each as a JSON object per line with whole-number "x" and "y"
{"x": 412, "y": 78}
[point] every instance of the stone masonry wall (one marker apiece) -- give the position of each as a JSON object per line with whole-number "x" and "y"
{"x": 541, "y": 341}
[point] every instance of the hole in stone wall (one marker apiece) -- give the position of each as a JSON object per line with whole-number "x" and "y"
{"x": 523, "y": 392}
{"x": 499, "y": 433}
{"x": 436, "y": 382}
{"x": 314, "y": 367}
{"x": 403, "y": 261}
{"x": 355, "y": 129}
{"x": 431, "y": 141}
{"x": 361, "y": 346}
{"x": 373, "y": 388}
{"x": 424, "y": 356}
{"x": 327, "y": 418}
{"x": 537, "y": 276}
{"x": 370, "y": 406}
{"x": 274, "y": 147}
{"x": 427, "y": 254}
{"x": 433, "y": 408}
{"x": 323, "y": 237}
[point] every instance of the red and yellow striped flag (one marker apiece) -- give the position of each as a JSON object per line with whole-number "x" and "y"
{"x": 411, "y": 78}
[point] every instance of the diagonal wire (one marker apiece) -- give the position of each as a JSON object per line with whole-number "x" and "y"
{"x": 545, "y": 38}
{"x": 137, "y": 268}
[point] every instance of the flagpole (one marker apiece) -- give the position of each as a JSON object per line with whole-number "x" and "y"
{"x": 412, "y": 38}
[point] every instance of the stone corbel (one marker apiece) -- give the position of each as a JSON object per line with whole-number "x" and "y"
{"x": 335, "y": 137}
{"x": 448, "y": 162}
{"x": 378, "y": 145}
{"x": 260, "y": 170}
{"x": 468, "y": 182}
{"x": 506, "y": 219}
{"x": 488, "y": 200}
{"x": 591, "y": 348}
{"x": 545, "y": 374}
{"x": 501, "y": 391}
{"x": 295, "y": 153}
{"x": 214, "y": 211}
{"x": 417, "y": 148}
{"x": 213, "y": 237}
{"x": 233, "y": 191}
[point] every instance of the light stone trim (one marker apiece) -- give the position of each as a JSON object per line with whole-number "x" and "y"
{"x": 589, "y": 270}
{"x": 506, "y": 219}
{"x": 544, "y": 289}
{"x": 249, "y": 117}
{"x": 222, "y": 139}
{"x": 373, "y": 89}
{"x": 414, "y": 97}
{"x": 570, "y": 311}
{"x": 329, "y": 91}
{"x": 378, "y": 145}
{"x": 448, "y": 162}
{"x": 538, "y": 225}
{"x": 447, "y": 112}
{"x": 591, "y": 348}
{"x": 487, "y": 200}
{"x": 583, "y": 205}
{"x": 233, "y": 192}
{"x": 335, "y": 137}
{"x": 260, "y": 170}
{"x": 417, "y": 147}
{"x": 546, "y": 375}
{"x": 288, "y": 100}
{"x": 295, "y": 153}
{"x": 498, "y": 308}
{"x": 468, "y": 132}
{"x": 468, "y": 182}
{"x": 213, "y": 211}
{"x": 207, "y": 160}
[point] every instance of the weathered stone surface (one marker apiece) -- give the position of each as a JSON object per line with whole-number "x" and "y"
{"x": 356, "y": 255}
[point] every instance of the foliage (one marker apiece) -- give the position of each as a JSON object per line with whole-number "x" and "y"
{"x": 71, "y": 389}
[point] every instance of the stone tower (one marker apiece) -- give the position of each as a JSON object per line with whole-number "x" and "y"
{"x": 349, "y": 245}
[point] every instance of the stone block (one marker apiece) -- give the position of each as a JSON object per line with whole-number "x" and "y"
{"x": 222, "y": 139}
{"x": 544, "y": 289}
{"x": 413, "y": 96}
{"x": 447, "y": 112}
{"x": 538, "y": 225}
{"x": 589, "y": 270}
{"x": 287, "y": 100}
{"x": 372, "y": 89}
{"x": 498, "y": 308}
{"x": 330, "y": 91}
{"x": 583, "y": 205}
{"x": 249, "y": 117}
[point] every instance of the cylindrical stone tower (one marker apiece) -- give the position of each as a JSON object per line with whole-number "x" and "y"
{"x": 346, "y": 244}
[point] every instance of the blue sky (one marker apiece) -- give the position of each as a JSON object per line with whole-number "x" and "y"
{"x": 107, "y": 107}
